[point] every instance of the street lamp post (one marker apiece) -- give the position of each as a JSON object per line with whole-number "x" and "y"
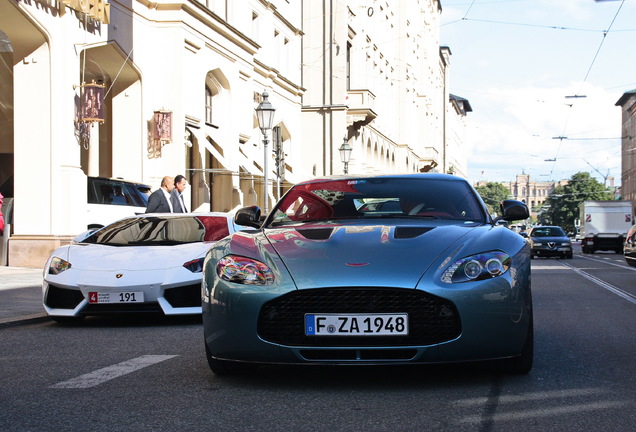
{"x": 345, "y": 154}
{"x": 265, "y": 116}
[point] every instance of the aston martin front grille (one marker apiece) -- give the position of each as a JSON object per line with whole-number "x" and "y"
{"x": 432, "y": 319}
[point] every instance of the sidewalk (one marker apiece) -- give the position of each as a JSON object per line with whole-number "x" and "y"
{"x": 20, "y": 294}
{"x": 18, "y": 277}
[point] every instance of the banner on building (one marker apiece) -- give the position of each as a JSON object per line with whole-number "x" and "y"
{"x": 92, "y": 109}
{"x": 163, "y": 127}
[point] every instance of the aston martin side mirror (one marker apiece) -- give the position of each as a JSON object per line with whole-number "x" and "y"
{"x": 248, "y": 216}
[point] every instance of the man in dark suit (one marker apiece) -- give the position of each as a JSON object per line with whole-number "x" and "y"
{"x": 159, "y": 200}
{"x": 178, "y": 204}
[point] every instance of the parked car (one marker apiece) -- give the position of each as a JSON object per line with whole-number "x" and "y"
{"x": 630, "y": 247}
{"x": 550, "y": 241}
{"x": 329, "y": 279}
{"x": 110, "y": 199}
{"x": 148, "y": 263}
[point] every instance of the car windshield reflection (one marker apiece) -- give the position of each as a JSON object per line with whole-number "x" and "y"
{"x": 161, "y": 231}
{"x": 328, "y": 200}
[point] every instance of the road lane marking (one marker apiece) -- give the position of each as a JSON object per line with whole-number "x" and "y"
{"x": 100, "y": 376}
{"x": 619, "y": 292}
{"x": 542, "y": 413}
{"x": 623, "y": 266}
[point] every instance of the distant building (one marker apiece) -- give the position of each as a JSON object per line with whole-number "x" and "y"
{"x": 533, "y": 193}
{"x": 627, "y": 102}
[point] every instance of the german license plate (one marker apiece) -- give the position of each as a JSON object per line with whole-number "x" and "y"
{"x": 116, "y": 297}
{"x": 356, "y": 324}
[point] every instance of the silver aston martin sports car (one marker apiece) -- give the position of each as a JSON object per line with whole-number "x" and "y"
{"x": 400, "y": 269}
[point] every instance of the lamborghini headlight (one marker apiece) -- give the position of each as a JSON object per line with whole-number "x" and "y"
{"x": 58, "y": 265}
{"x": 242, "y": 270}
{"x": 486, "y": 265}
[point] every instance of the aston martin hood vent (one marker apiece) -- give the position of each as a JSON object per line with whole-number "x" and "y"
{"x": 399, "y": 232}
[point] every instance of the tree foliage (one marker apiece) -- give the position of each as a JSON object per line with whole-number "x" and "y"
{"x": 562, "y": 206}
{"x": 493, "y": 194}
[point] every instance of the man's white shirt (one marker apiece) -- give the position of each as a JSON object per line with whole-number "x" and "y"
{"x": 167, "y": 195}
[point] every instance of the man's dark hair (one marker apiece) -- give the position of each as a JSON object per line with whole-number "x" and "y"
{"x": 178, "y": 178}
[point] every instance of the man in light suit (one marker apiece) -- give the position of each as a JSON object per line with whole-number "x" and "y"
{"x": 159, "y": 200}
{"x": 178, "y": 204}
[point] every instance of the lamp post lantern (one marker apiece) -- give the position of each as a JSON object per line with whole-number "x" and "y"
{"x": 265, "y": 116}
{"x": 345, "y": 154}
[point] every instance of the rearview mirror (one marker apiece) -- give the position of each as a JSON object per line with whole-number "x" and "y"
{"x": 248, "y": 216}
{"x": 512, "y": 210}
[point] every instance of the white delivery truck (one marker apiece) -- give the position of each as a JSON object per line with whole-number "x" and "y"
{"x": 604, "y": 225}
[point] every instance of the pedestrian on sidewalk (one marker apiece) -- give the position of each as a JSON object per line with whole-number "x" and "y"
{"x": 159, "y": 201}
{"x": 178, "y": 204}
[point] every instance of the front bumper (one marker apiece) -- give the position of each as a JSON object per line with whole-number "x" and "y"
{"x": 68, "y": 296}
{"x": 546, "y": 251}
{"x": 488, "y": 323}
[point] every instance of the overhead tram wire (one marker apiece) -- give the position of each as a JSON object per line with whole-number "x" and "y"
{"x": 587, "y": 74}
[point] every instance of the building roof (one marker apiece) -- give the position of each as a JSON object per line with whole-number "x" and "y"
{"x": 462, "y": 102}
{"x": 625, "y": 97}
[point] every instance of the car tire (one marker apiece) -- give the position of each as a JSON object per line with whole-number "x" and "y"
{"x": 224, "y": 367}
{"x": 68, "y": 319}
{"x": 569, "y": 255}
{"x": 523, "y": 363}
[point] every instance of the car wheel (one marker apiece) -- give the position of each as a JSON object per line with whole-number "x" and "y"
{"x": 224, "y": 367}
{"x": 523, "y": 363}
{"x": 68, "y": 319}
{"x": 569, "y": 255}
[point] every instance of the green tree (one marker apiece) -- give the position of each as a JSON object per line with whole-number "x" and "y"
{"x": 493, "y": 194}
{"x": 562, "y": 206}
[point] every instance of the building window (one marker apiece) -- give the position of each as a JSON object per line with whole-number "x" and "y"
{"x": 348, "y": 66}
{"x": 255, "y": 26}
{"x": 208, "y": 105}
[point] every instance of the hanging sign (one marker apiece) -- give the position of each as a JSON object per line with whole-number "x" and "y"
{"x": 163, "y": 126}
{"x": 92, "y": 102}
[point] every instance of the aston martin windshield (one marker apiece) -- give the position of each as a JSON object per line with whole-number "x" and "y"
{"x": 383, "y": 197}
{"x": 158, "y": 230}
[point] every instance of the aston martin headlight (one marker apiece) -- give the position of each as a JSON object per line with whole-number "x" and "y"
{"x": 486, "y": 265}
{"x": 195, "y": 266}
{"x": 242, "y": 270}
{"x": 58, "y": 265}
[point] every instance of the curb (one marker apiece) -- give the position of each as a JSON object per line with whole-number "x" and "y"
{"x": 23, "y": 320}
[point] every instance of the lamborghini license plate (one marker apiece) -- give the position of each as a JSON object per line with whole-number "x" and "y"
{"x": 116, "y": 297}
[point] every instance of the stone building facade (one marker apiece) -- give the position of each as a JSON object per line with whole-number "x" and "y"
{"x": 533, "y": 193}
{"x": 627, "y": 102}
{"x": 179, "y": 82}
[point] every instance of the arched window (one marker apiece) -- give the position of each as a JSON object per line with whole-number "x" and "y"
{"x": 208, "y": 105}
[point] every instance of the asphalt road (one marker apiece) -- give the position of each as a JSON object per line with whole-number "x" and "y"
{"x": 151, "y": 374}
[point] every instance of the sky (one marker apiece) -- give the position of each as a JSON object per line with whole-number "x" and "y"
{"x": 520, "y": 63}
